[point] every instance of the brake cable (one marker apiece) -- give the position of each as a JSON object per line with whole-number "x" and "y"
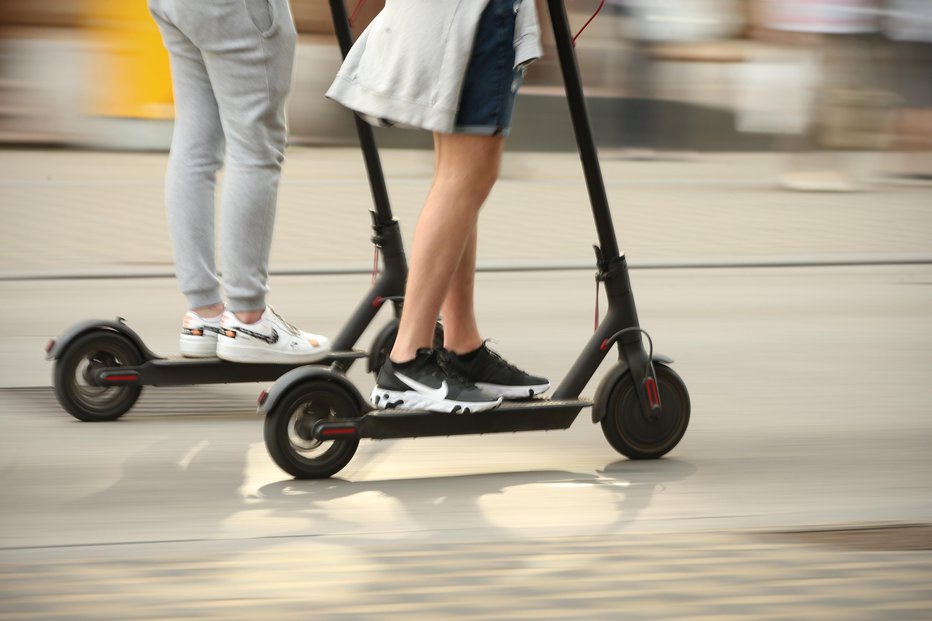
{"x": 586, "y": 25}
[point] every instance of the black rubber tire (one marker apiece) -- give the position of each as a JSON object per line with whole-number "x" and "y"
{"x": 630, "y": 432}
{"x": 288, "y": 426}
{"x": 77, "y": 395}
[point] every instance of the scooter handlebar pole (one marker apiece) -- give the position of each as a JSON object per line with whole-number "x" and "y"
{"x": 588, "y": 152}
{"x": 370, "y": 151}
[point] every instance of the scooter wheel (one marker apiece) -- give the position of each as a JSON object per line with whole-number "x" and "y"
{"x": 626, "y": 427}
{"x": 289, "y": 430}
{"x": 75, "y": 368}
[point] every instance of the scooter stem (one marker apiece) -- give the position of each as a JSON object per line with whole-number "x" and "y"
{"x": 370, "y": 151}
{"x": 620, "y": 323}
{"x": 588, "y": 152}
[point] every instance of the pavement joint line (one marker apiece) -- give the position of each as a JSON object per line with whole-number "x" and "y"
{"x": 402, "y": 180}
{"x": 417, "y": 179}
{"x": 787, "y": 532}
{"x": 524, "y": 266}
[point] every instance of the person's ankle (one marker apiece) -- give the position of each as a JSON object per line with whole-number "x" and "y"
{"x": 468, "y": 355}
{"x": 404, "y": 355}
{"x": 209, "y": 312}
{"x": 249, "y": 316}
{"x": 401, "y": 359}
{"x": 464, "y": 348}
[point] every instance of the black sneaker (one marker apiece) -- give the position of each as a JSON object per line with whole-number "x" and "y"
{"x": 422, "y": 384}
{"x": 491, "y": 373}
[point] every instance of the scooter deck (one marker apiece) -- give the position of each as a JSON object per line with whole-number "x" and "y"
{"x": 512, "y": 416}
{"x": 190, "y": 371}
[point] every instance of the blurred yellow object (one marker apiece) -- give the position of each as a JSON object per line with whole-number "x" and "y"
{"x": 130, "y": 77}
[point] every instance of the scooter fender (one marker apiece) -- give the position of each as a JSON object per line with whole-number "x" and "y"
{"x": 284, "y": 384}
{"x": 64, "y": 341}
{"x": 382, "y": 342}
{"x": 610, "y": 379}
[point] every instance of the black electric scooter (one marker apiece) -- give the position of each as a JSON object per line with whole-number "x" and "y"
{"x": 101, "y": 366}
{"x": 314, "y": 417}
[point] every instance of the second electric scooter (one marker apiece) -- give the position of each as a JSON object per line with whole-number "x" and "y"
{"x": 314, "y": 417}
{"x": 101, "y": 366}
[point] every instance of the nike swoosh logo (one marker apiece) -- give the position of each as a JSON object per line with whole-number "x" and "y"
{"x": 271, "y": 339}
{"x": 438, "y": 394}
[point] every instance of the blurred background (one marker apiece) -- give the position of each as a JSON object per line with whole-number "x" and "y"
{"x": 769, "y": 166}
{"x": 799, "y": 76}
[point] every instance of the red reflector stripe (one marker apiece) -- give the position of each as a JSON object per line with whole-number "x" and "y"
{"x": 652, "y": 395}
{"x": 604, "y": 345}
{"x": 339, "y": 431}
{"x": 132, "y": 377}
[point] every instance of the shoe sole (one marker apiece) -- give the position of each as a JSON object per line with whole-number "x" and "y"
{"x": 198, "y": 346}
{"x": 513, "y": 392}
{"x": 233, "y": 352}
{"x": 385, "y": 399}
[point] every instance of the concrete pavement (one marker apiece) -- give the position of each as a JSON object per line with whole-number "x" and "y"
{"x": 177, "y": 511}
{"x": 86, "y": 213}
{"x": 720, "y": 576}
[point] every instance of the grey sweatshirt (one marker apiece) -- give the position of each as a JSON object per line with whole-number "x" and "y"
{"x": 407, "y": 68}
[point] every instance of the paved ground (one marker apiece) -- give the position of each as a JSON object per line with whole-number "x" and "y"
{"x": 658, "y": 577}
{"x": 73, "y": 212}
{"x": 801, "y": 489}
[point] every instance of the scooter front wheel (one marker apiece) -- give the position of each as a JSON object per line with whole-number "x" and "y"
{"x": 633, "y": 434}
{"x": 73, "y": 376}
{"x": 289, "y": 427}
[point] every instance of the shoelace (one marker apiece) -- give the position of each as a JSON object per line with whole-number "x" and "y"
{"x": 294, "y": 331}
{"x": 497, "y": 359}
{"x": 449, "y": 370}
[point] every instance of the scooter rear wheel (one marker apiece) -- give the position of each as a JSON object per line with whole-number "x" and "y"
{"x": 74, "y": 371}
{"x": 289, "y": 430}
{"x": 626, "y": 427}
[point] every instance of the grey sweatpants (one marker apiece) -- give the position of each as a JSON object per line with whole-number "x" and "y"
{"x": 231, "y": 63}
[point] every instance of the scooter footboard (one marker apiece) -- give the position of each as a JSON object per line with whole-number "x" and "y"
{"x": 535, "y": 415}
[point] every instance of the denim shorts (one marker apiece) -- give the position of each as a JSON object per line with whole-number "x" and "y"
{"x": 491, "y": 83}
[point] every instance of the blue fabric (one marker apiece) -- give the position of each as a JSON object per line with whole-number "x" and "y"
{"x": 488, "y": 98}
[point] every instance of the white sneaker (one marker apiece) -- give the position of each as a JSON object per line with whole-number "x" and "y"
{"x": 270, "y": 340}
{"x": 199, "y": 336}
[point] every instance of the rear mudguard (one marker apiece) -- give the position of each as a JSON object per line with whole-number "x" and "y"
{"x": 599, "y": 402}
{"x": 118, "y": 325}
{"x": 300, "y": 375}
{"x": 383, "y": 341}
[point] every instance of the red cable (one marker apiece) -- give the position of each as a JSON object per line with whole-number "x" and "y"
{"x": 355, "y": 13}
{"x": 601, "y": 4}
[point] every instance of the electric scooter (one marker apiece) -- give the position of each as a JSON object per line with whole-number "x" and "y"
{"x": 101, "y": 366}
{"x": 314, "y": 417}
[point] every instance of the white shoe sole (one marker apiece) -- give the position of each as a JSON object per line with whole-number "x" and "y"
{"x": 513, "y": 392}
{"x": 198, "y": 346}
{"x": 231, "y": 351}
{"x": 411, "y": 400}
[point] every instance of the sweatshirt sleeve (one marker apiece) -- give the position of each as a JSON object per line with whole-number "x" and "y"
{"x": 527, "y": 34}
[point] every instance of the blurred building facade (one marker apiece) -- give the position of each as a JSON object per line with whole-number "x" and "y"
{"x": 660, "y": 74}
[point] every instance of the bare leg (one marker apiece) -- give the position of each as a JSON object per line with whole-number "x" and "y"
{"x": 460, "y": 329}
{"x": 443, "y": 254}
